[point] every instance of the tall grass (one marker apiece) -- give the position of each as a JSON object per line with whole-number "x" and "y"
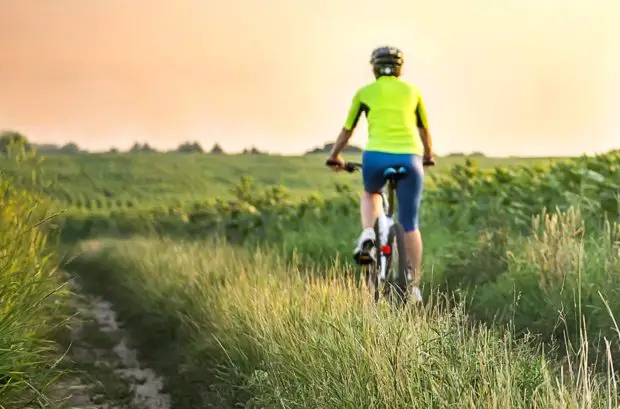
{"x": 231, "y": 325}
{"x": 525, "y": 319}
{"x": 544, "y": 283}
{"x": 30, "y": 300}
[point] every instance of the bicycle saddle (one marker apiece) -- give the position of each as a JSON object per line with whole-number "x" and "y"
{"x": 395, "y": 172}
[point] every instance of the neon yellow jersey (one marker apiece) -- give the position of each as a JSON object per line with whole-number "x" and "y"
{"x": 394, "y": 110}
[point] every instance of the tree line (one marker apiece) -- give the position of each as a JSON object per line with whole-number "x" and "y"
{"x": 7, "y": 138}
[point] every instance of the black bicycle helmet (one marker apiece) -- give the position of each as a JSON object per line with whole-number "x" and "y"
{"x": 386, "y": 60}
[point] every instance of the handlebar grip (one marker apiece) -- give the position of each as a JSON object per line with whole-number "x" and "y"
{"x": 330, "y": 162}
{"x": 348, "y": 166}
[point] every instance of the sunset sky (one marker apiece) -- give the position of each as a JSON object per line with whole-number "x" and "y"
{"x": 506, "y": 77}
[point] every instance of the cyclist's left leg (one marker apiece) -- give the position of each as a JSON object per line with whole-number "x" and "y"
{"x": 372, "y": 174}
{"x": 409, "y": 199}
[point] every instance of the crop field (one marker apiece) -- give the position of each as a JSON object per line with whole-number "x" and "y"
{"x": 112, "y": 181}
{"x": 239, "y": 292}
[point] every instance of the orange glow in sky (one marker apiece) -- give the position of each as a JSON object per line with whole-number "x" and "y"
{"x": 506, "y": 77}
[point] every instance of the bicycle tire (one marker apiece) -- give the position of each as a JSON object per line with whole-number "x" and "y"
{"x": 372, "y": 270}
{"x": 357, "y": 277}
{"x": 397, "y": 286}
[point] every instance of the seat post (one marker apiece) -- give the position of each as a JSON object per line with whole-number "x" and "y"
{"x": 392, "y": 182}
{"x": 392, "y": 174}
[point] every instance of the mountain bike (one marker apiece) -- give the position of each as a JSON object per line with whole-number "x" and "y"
{"x": 385, "y": 263}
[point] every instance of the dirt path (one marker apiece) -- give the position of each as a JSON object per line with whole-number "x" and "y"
{"x": 110, "y": 375}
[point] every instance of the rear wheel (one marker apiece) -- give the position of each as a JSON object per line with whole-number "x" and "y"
{"x": 396, "y": 288}
{"x": 372, "y": 269}
{"x": 372, "y": 282}
{"x": 360, "y": 272}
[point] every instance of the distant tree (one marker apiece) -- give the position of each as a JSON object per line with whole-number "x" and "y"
{"x": 188, "y": 147}
{"x": 113, "y": 150}
{"x": 217, "y": 150}
{"x": 146, "y": 148}
{"x": 477, "y": 155}
{"x": 135, "y": 148}
{"x": 253, "y": 151}
{"x": 70, "y": 148}
{"x": 141, "y": 148}
{"x": 12, "y": 137}
{"x": 328, "y": 147}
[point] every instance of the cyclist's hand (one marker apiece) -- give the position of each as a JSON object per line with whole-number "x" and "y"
{"x": 338, "y": 163}
{"x": 428, "y": 161}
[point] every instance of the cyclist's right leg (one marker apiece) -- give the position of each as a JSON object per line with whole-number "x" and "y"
{"x": 409, "y": 200}
{"x": 372, "y": 174}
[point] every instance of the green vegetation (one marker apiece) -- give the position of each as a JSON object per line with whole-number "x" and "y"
{"x": 263, "y": 314}
{"x": 234, "y": 326}
{"x": 111, "y": 181}
{"x": 31, "y": 303}
{"x": 239, "y": 290}
{"x": 466, "y": 195}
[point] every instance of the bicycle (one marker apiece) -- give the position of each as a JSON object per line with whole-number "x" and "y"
{"x": 389, "y": 245}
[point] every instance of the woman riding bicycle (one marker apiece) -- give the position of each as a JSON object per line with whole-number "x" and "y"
{"x": 398, "y": 135}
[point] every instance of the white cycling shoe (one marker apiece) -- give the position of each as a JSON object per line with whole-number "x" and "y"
{"x": 414, "y": 292}
{"x": 364, "y": 252}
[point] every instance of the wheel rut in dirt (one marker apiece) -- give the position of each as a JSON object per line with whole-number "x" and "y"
{"x": 105, "y": 372}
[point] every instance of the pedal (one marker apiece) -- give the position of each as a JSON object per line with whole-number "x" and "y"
{"x": 367, "y": 254}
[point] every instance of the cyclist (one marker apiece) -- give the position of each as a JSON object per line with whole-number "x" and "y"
{"x": 398, "y": 135}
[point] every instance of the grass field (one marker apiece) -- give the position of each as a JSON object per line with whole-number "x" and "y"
{"x": 236, "y": 326}
{"x": 261, "y": 313}
{"x": 246, "y": 300}
{"x": 138, "y": 180}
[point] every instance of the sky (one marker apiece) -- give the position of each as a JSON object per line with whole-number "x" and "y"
{"x": 505, "y": 77}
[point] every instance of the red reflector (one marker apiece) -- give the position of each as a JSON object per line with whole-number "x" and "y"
{"x": 386, "y": 249}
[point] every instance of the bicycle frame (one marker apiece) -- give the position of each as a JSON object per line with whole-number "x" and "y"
{"x": 385, "y": 222}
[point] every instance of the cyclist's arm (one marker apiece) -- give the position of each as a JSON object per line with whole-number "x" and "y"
{"x": 423, "y": 128}
{"x": 341, "y": 142}
{"x": 355, "y": 111}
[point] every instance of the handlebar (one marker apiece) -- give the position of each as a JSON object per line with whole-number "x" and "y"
{"x": 348, "y": 166}
{"x": 353, "y": 166}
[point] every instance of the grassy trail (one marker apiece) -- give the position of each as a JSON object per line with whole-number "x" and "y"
{"x": 236, "y": 326}
{"x": 53, "y": 353}
{"x": 101, "y": 367}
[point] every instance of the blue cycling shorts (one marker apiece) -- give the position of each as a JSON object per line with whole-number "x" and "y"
{"x": 409, "y": 190}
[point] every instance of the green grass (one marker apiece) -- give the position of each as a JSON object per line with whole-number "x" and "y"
{"x": 138, "y": 180}
{"x": 238, "y": 326}
{"x": 244, "y": 299}
{"x": 467, "y": 194}
{"x": 520, "y": 314}
{"x": 31, "y": 300}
